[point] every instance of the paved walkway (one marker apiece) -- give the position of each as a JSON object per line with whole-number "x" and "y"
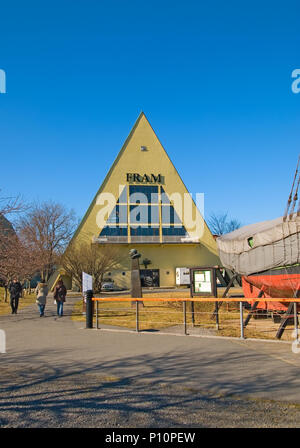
{"x": 57, "y": 373}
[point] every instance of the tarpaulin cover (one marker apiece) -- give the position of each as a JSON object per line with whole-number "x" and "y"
{"x": 261, "y": 246}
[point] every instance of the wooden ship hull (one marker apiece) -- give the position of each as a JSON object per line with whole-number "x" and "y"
{"x": 282, "y": 282}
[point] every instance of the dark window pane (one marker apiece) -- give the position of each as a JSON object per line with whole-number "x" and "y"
{"x": 118, "y": 215}
{"x": 138, "y": 198}
{"x": 174, "y": 231}
{"x": 154, "y": 214}
{"x": 144, "y": 214}
{"x": 122, "y": 214}
{"x": 166, "y": 214}
{"x": 143, "y": 194}
{"x": 169, "y": 216}
{"x": 123, "y": 196}
{"x": 144, "y": 231}
{"x": 164, "y": 197}
{"x": 113, "y": 216}
{"x": 139, "y": 214}
{"x": 114, "y": 231}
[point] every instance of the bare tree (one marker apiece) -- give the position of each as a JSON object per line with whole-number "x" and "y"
{"x": 8, "y": 252}
{"x": 9, "y": 243}
{"x": 220, "y": 224}
{"x": 92, "y": 259}
{"x": 11, "y": 205}
{"x": 46, "y": 229}
{"x": 233, "y": 224}
{"x": 16, "y": 260}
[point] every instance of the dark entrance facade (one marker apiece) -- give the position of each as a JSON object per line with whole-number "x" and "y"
{"x": 149, "y": 277}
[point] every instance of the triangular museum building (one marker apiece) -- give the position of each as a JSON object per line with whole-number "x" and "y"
{"x": 143, "y": 204}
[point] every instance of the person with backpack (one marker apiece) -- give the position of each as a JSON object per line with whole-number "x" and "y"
{"x": 60, "y": 293}
{"x": 41, "y": 296}
{"x": 15, "y": 290}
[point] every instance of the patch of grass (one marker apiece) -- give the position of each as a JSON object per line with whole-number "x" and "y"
{"x": 23, "y": 302}
{"x": 154, "y": 315}
{"x": 159, "y": 315}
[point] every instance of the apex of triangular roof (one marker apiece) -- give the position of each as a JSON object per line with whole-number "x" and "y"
{"x": 141, "y": 116}
{"x": 141, "y": 123}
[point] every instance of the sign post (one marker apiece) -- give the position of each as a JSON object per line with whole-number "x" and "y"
{"x": 89, "y": 309}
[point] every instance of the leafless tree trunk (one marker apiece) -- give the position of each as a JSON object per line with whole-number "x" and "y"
{"x": 93, "y": 260}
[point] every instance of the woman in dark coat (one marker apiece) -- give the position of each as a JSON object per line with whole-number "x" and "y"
{"x": 60, "y": 293}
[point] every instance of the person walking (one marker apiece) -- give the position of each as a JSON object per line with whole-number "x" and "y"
{"x": 60, "y": 293}
{"x": 15, "y": 290}
{"x": 41, "y": 296}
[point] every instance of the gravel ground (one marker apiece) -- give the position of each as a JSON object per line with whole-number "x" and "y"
{"x": 88, "y": 400}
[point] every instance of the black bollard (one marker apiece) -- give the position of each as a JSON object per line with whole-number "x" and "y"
{"x": 89, "y": 309}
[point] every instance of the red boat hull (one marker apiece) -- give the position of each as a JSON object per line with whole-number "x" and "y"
{"x": 283, "y": 282}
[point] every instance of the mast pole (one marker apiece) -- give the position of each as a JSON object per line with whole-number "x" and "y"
{"x": 295, "y": 199}
{"x": 291, "y": 193}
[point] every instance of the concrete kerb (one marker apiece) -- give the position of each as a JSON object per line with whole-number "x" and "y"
{"x": 159, "y": 333}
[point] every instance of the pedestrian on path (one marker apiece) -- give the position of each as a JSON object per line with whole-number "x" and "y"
{"x": 41, "y": 296}
{"x": 60, "y": 293}
{"x": 15, "y": 290}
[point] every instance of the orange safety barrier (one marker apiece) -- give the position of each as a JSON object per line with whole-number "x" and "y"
{"x": 185, "y": 300}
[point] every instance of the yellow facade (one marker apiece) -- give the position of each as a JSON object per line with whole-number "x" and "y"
{"x": 143, "y": 153}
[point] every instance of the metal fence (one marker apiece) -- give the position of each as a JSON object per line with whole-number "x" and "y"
{"x": 196, "y": 316}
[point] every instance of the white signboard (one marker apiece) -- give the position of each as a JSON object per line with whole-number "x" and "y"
{"x": 87, "y": 282}
{"x": 182, "y": 276}
{"x": 202, "y": 281}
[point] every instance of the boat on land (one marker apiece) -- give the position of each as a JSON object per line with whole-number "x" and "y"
{"x": 267, "y": 256}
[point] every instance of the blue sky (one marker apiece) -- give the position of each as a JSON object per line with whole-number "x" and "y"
{"x": 213, "y": 78}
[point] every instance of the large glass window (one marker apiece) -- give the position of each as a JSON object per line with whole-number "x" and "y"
{"x": 146, "y": 214}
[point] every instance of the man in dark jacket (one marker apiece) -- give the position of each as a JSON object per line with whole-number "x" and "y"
{"x": 15, "y": 290}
